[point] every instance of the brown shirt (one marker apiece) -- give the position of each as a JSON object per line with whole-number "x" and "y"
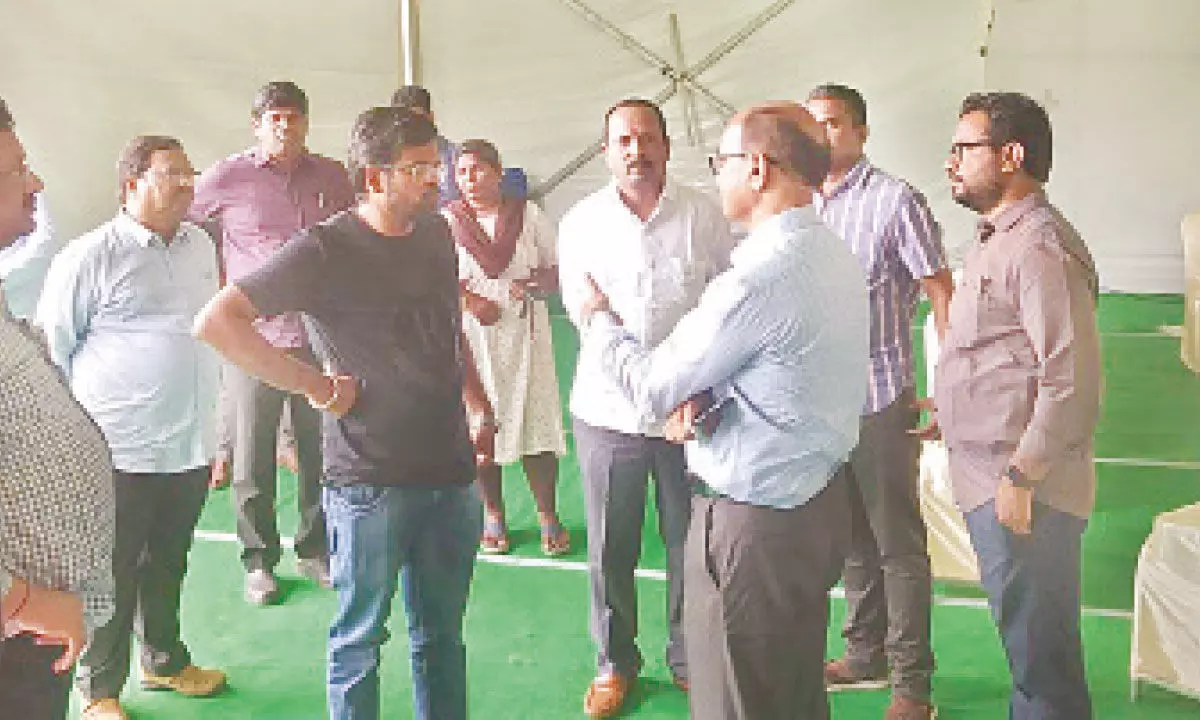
{"x": 1019, "y": 377}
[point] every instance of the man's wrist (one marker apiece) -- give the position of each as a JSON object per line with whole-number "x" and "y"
{"x": 479, "y": 421}
{"x": 14, "y": 600}
{"x": 328, "y": 389}
{"x": 1017, "y": 478}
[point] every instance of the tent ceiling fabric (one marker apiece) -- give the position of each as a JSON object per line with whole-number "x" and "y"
{"x": 914, "y": 62}
{"x": 535, "y": 76}
{"x": 562, "y": 72}
{"x": 83, "y": 78}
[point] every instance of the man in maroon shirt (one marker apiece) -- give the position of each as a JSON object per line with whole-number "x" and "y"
{"x": 257, "y": 199}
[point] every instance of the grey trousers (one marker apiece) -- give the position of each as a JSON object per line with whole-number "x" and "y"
{"x": 887, "y": 575}
{"x": 757, "y": 609}
{"x": 156, "y": 516}
{"x": 615, "y": 467}
{"x": 257, "y": 410}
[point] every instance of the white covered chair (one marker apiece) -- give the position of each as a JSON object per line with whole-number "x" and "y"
{"x": 1165, "y": 649}
{"x": 950, "y": 551}
{"x": 1190, "y": 347}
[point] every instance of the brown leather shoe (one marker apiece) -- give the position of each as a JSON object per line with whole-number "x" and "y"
{"x": 905, "y": 708}
{"x": 840, "y": 676}
{"x": 679, "y": 681}
{"x": 191, "y": 681}
{"x": 103, "y": 709}
{"x": 605, "y": 695}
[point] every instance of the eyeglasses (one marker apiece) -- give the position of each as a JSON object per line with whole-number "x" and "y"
{"x": 183, "y": 177}
{"x": 419, "y": 170}
{"x": 717, "y": 160}
{"x": 957, "y": 148}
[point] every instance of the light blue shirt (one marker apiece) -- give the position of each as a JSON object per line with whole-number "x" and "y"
{"x": 117, "y": 311}
{"x": 23, "y": 264}
{"x": 782, "y": 336}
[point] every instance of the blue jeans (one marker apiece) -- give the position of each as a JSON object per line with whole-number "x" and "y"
{"x": 1032, "y": 582}
{"x": 426, "y": 538}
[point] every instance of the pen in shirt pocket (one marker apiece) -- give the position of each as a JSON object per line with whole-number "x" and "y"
{"x": 321, "y": 200}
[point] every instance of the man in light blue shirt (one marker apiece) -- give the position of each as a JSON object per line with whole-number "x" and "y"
{"x": 23, "y": 264}
{"x": 778, "y": 346}
{"x": 117, "y": 314}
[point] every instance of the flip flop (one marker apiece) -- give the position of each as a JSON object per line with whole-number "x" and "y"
{"x": 555, "y": 539}
{"x": 495, "y": 537}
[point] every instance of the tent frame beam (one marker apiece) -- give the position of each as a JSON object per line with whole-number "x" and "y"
{"x": 680, "y": 77}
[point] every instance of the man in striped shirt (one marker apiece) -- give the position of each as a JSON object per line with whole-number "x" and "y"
{"x": 889, "y": 227}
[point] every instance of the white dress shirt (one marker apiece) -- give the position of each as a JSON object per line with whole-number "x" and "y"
{"x": 653, "y": 272}
{"x": 117, "y": 311}
{"x": 781, "y": 340}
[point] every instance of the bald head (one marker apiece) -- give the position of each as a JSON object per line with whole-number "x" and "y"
{"x": 789, "y": 135}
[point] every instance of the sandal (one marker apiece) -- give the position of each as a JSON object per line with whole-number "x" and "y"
{"x": 555, "y": 539}
{"x": 495, "y": 537}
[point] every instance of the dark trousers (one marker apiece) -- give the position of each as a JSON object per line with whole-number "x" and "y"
{"x": 888, "y": 581}
{"x": 757, "y": 607}
{"x": 614, "y": 468}
{"x": 1032, "y": 582}
{"x": 156, "y": 516}
{"x": 257, "y": 410}
{"x": 29, "y": 689}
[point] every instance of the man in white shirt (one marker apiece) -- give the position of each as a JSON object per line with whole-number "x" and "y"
{"x": 651, "y": 245}
{"x": 779, "y": 342}
{"x": 117, "y": 312}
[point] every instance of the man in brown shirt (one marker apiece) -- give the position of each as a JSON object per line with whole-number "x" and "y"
{"x": 1018, "y": 395}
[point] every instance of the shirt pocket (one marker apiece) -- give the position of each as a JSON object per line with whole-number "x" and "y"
{"x": 994, "y": 405}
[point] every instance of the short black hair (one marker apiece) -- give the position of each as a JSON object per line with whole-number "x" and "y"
{"x": 6, "y": 118}
{"x": 277, "y": 95}
{"x": 848, "y": 96}
{"x": 770, "y": 131}
{"x": 413, "y": 97}
{"x": 637, "y": 103}
{"x": 1017, "y": 118}
{"x": 482, "y": 149}
{"x": 380, "y": 134}
{"x": 135, "y": 157}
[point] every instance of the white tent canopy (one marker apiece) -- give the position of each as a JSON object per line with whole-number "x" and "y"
{"x": 1119, "y": 79}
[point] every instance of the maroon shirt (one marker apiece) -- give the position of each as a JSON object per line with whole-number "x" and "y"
{"x": 259, "y": 207}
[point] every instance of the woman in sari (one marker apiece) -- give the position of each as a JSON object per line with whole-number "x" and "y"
{"x": 507, "y": 267}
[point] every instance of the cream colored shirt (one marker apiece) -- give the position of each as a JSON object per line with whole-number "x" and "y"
{"x": 1019, "y": 378}
{"x": 653, "y": 273}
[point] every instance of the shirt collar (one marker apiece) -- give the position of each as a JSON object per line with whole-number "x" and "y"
{"x": 261, "y": 161}
{"x": 1010, "y": 216}
{"x": 142, "y": 235}
{"x": 670, "y": 193}
{"x": 772, "y": 233}
{"x": 857, "y": 175}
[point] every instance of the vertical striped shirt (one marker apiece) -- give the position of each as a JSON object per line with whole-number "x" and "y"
{"x": 889, "y": 228}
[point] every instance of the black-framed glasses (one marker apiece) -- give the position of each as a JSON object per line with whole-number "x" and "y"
{"x": 717, "y": 160}
{"x": 957, "y": 148}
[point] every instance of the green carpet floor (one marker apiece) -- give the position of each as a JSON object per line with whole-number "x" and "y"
{"x": 528, "y": 647}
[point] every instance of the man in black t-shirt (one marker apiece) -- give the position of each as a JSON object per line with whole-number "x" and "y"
{"x": 378, "y": 285}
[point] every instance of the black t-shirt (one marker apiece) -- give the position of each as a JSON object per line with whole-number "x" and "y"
{"x": 384, "y": 310}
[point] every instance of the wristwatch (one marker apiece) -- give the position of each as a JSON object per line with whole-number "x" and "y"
{"x": 1016, "y": 477}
